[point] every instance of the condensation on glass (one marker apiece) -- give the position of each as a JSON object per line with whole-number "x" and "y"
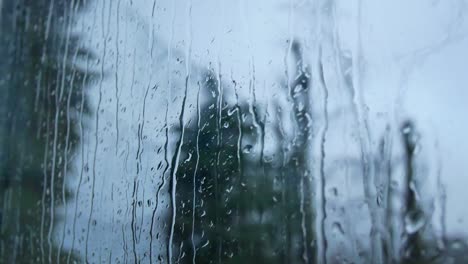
{"x": 188, "y": 131}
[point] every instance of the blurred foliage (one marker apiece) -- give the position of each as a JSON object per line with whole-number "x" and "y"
{"x": 234, "y": 204}
{"x": 43, "y": 96}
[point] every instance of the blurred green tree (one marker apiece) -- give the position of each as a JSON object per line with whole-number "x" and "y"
{"x": 233, "y": 204}
{"x": 43, "y": 100}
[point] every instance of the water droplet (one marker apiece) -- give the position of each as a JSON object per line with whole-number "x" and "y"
{"x": 247, "y": 149}
{"x": 337, "y": 228}
{"x": 379, "y": 199}
{"x": 406, "y": 129}
{"x": 231, "y": 111}
{"x": 334, "y": 191}
{"x": 414, "y": 221}
{"x": 206, "y": 244}
{"x": 189, "y": 157}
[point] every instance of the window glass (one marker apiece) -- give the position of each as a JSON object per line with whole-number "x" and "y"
{"x": 188, "y": 131}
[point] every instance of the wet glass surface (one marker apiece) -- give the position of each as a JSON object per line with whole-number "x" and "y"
{"x": 288, "y": 131}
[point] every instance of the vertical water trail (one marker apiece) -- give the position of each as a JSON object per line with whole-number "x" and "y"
{"x": 194, "y": 178}
{"x": 169, "y": 51}
{"x": 252, "y": 79}
{"x": 140, "y": 148}
{"x": 188, "y": 66}
{"x": 262, "y": 146}
{"x": 166, "y": 154}
{"x": 157, "y": 192}
{"x": 44, "y": 188}
{"x": 113, "y": 231}
{"x": 288, "y": 235}
{"x": 132, "y": 84}
{"x": 240, "y": 137}
{"x": 98, "y": 109}
{"x": 219, "y": 135}
{"x": 127, "y": 204}
{"x": 175, "y": 159}
{"x": 81, "y": 132}
{"x": 73, "y": 10}
{"x": 80, "y": 179}
{"x": 219, "y": 125}
{"x": 124, "y": 246}
{"x": 321, "y": 248}
{"x": 299, "y": 97}
{"x": 442, "y": 200}
{"x": 133, "y": 226}
{"x": 116, "y": 76}
{"x": 49, "y": 19}
{"x": 174, "y": 168}
{"x": 136, "y": 183}
{"x": 150, "y": 80}
{"x": 67, "y": 142}
{"x": 103, "y": 178}
{"x": 364, "y": 140}
{"x": 151, "y": 46}
{"x": 323, "y": 157}
{"x": 387, "y": 209}
{"x": 169, "y": 95}
{"x": 163, "y": 180}
{"x": 58, "y": 102}
{"x": 239, "y": 149}
{"x": 141, "y": 204}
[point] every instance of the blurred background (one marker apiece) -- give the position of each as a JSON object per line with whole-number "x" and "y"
{"x": 238, "y": 131}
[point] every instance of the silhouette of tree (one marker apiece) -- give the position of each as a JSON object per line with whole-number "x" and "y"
{"x": 43, "y": 99}
{"x": 233, "y": 205}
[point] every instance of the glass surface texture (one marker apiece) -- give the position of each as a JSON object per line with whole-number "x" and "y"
{"x": 261, "y": 131}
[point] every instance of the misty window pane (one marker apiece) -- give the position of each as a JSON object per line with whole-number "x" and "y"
{"x": 236, "y": 131}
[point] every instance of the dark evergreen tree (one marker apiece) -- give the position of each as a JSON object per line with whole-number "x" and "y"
{"x": 233, "y": 205}
{"x": 43, "y": 75}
